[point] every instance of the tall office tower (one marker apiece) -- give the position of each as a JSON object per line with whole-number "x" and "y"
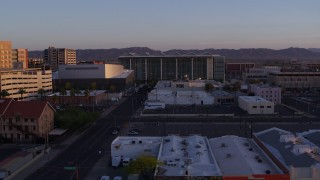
{"x": 20, "y": 58}
{"x": 55, "y": 56}
{"x": 5, "y": 54}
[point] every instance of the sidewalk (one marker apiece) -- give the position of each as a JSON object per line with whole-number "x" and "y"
{"x": 42, "y": 159}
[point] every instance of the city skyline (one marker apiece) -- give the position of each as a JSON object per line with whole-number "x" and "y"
{"x": 161, "y": 25}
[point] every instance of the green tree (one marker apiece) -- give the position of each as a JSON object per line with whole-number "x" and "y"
{"x": 143, "y": 165}
{"x": 112, "y": 88}
{"x": 63, "y": 92}
{"x": 21, "y": 91}
{"x": 93, "y": 86}
{"x": 208, "y": 87}
{"x": 4, "y": 93}
{"x": 68, "y": 86}
{"x": 72, "y": 94}
{"x": 41, "y": 92}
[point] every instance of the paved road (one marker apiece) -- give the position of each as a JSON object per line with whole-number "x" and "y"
{"x": 85, "y": 152}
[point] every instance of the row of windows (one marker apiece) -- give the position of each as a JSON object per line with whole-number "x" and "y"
{"x": 261, "y": 107}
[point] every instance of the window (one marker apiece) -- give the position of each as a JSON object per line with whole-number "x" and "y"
{"x": 254, "y": 106}
{"x": 25, "y": 119}
{"x": 261, "y": 106}
{"x": 32, "y": 120}
{"x": 268, "y": 106}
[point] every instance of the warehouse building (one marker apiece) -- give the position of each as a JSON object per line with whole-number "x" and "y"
{"x": 256, "y": 105}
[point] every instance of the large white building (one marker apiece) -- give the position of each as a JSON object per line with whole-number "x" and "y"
{"x": 195, "y": 156}
{"x": 256, "y": 105}
{"x": 181, "y": 93}
{"x": 104, "y": 76}
{"x": 270, "y": 93}
{"x": 30, "y": 80}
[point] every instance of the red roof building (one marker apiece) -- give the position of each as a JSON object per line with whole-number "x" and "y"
{"x": 25, "y": 121}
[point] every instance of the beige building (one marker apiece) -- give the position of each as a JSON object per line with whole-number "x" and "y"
{"x": 296, "y": 81}
{"x": 57, "y": 56}
{"x": 5, "y": 54}
{"x": 30, "y": 80}
{"x": 26, "y": 121}
{"x": 20, "y": 58}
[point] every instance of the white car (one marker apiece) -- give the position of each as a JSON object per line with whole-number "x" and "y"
{"x": 115, "y": 132}
{"x": 117, "y": 178}
{"x": 105, "y": 178}
{"x": 133, "y": 133}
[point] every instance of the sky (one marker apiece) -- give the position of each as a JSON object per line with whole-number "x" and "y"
{"x": 161, "y": 24}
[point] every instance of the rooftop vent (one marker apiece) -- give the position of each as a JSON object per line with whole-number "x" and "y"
{"x": 268, "y": 171}
{"x": 228, "y": 155}
{"x": 223, "y": 145}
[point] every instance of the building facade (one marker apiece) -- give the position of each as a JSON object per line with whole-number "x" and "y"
{"x": 57, "y": 56}
{"x": 20, "y": 58}
{"x": 5, "y": 54}
{"x": 255, "y": 105}
{"x": 30, "y": 80}
{"x": 103, "y": 76}
{"x": 270, "y": 93}
{"x": 235, "y": 70}
{"x": 26, "y": 121}
{"x": 175, "y": 67}
{"x": 296, "y": 80}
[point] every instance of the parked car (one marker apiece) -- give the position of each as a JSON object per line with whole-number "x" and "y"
{"x": 117, "y": 178}
{"x": 133, "y": 132}
{"x": 105, "y": 178}
{"x": 114, "y": 132}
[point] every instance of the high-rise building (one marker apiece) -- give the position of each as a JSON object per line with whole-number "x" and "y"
{"x": 55, "y": 56}
{"x": 5, "y": 54}
{"x": 20, "y": 58}
{"x": 169, "y": 67}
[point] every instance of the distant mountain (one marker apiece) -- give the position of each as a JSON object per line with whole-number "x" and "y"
{"x": 230, "y": 54}
{"x": 314, "y": 50}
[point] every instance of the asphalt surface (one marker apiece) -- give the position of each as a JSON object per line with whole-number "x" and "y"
{"x": 86, "y": 151}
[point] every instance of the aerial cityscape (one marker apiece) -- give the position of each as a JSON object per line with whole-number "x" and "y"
{"x": 139, "y": 90}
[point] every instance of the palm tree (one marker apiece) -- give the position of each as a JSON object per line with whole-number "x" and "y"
{"x": 63, "y": 92}
{"x": 72, "y": 94}
{"x": 41, "y": 92}
{"x": 4, "y": 93}
{"x": 21, "y": 91}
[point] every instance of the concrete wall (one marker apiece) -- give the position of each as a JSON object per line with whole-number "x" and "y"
{"x": 256, "y": 107}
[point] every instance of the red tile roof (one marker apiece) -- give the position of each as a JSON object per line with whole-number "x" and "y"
{"x": 26, "y": 108}
{"x": 4, "y": 104}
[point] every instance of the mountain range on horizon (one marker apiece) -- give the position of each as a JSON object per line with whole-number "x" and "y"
{"x": 250, "y": 54}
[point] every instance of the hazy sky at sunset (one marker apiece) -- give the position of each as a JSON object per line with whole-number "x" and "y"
{"x": 160, "y": 24}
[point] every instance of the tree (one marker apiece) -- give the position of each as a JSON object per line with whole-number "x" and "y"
{"x": 208, "y": 87}
{"x": 68, "y": 86}
{"x": 41, "y": 92}
{"x": 72, "y": 94}
{"x": 112, "y": 88}
{"x": 4, "y": 93}
{"x": 21, "y": 91}
{"x": 93, "y": 86}
{"x": 143, "y": 165}
{"x": 63, "y": 92}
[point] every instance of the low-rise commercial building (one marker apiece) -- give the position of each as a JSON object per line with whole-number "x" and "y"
{"x": 270, "y": 93}
{"x": 292, "y": 80}
{"x": 293, "y": 154}
{"x": 235, "y": 70}
{"x": 256, "y": 105}
{"x": 181, "y": 93}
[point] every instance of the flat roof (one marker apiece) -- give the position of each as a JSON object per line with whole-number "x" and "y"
{"x": 313, "y": 136}
{"x": 253, "y": 99}
{"x": 287, "y": 148}
{"x": 124, "y": 74}
{"x": 186, "y": 156}
{"x": 240, "y": 156}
